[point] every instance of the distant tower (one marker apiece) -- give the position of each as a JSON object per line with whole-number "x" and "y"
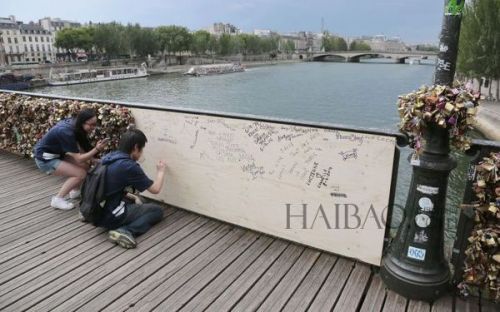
{"x": 322, "y": 25}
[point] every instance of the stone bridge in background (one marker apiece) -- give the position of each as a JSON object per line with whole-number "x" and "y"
{"x": 355, "y": 56}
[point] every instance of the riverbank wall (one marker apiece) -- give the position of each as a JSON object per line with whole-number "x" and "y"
{"x": 488, "y": 119}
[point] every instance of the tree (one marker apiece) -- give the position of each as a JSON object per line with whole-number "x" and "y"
{"x": 359, "y": 46}
{"x": 111, "y": 39}
{"x": 213, "y": 46}
{"x": 141, "y": 41}
{"x": 173, "y": 39}
{"x": 289, "y": 46}
{"x": 225, "y": 44}
{"x": 479, "y": 44}
{"x": 65, "y": 39}
{"x": 333, "y": 43}
{"x": 75, "y": 38}
{"x": 201, "y": 42}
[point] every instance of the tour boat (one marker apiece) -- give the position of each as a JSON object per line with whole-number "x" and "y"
{"x": 9, "y": 81}
{"x": 215, "y": 69}
{"x": 97, "y": 75}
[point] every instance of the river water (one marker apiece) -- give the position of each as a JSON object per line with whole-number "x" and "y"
{"x": 362, "y": 95}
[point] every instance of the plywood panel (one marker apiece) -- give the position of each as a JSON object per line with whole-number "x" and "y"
{"x": 323, "y": 188}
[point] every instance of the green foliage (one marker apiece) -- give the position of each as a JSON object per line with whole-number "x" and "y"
{"x": 333, "y": 43}
{"x": 141, "y": 41}
{"x": 359, "y": 46}
{"x": 201, "y": 42}
{"x": 289, "y": 46}
{"x": 111, "y": 39}
{"x": 424, "y": 47}
{"x": 75, "y": 38}
{"x": 225, "y": 45}
{"x": 479, "y": 45}
{"x": 174, "y": 38}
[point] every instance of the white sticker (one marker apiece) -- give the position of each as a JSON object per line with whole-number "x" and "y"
{"x": 421, "y": 237}
{"x": 422, "y": 220}
{"x": 425, "y": 189}
{"x": 426, "y": 204}
{"x": 416, "y": 253}
{"x": 415, "y": 162}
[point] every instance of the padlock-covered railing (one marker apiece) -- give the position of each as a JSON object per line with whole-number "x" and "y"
{"x": 476, "y": 252}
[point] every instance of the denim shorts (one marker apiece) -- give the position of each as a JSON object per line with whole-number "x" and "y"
{"x": 48, "y": 166}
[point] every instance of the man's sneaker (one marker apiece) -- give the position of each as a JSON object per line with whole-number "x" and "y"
{"x": 123, "y": 238}
{"x": 74, "y": 194}
{"x": 61, "y": 203}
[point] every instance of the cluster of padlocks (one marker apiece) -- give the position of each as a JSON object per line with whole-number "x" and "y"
{"x": 24, "y": 120}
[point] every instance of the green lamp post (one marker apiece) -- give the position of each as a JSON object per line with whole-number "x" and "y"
{"x": 415, "y": 265}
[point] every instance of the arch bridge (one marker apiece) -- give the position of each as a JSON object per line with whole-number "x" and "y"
{"x": 356, "y": 56}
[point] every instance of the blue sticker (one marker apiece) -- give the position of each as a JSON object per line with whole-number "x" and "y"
{"x": 416, "y": 253}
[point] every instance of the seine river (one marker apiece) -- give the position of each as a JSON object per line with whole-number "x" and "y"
{"x": 362, "y": 95}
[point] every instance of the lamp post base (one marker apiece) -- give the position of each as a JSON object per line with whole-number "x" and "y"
{"x": 415, "y": 282}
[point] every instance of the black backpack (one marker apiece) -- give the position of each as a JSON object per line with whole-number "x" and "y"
{"x": 93, "y": 194}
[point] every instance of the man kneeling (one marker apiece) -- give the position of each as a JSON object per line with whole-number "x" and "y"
{"x": 124, "y": 214}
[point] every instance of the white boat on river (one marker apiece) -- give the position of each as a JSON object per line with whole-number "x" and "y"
{"x": 96, "y": 75}
{"x": 215, "y": 69}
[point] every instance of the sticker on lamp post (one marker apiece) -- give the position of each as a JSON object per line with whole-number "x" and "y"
{"x": 422, "y": 220}
{"x": 425, "y": 204}
{"x": 416, "y": 253}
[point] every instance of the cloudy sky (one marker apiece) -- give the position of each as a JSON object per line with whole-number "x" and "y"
{"x": 413, "y": 21}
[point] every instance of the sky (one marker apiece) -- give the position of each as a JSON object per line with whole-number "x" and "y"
{"x": 412, "y": 21}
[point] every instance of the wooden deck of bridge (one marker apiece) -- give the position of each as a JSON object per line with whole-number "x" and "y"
{"x": 49, "y": 260}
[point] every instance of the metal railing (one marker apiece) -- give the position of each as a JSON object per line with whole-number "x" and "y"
{"x": 478, "y": 150}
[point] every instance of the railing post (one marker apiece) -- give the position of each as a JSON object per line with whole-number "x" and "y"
{"x": 415, "y": 265}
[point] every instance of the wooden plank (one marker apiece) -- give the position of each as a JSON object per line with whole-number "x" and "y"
{"x": 18, "y": 208}
{"x": 33, "y": 225}
{"x": 394, "y": 302}
{"x": 443, "y": 304}
{"x": 471, "y": 304}
{"x": 36, "y": 236}
{"x": 17, "y": 166}
{"x": 489, "y": 306}
{"x": 29, "y": 191}
{"x": 20, "y": 174}
{"x": 28, "y": 194}
{"x": 28, "y": 294}
{"x": 19, "y": 221}
{"x": 211, "y": 291}
{"x": 280, "y": 295}
{"x": 29, "y": 260}
{"x": 8, "y": 282}
{"x": 418, "y": 306}
{"x": 206, "y": 234}
{"x": 174, "y": 289}
{"x": 22, "y": 184}
{"x": 311, "y": 284}
{"x": 249, "y": 277}
{"x": 173, "y": 275}
{"x": 375, "y": 297}
{"x": 132, "y": 288}
{"x": 350, "y": 299}
{"x": 332, "y": 288}
{"x": 197, "y": 283}
{"x": 6, "y": 160}
{"x": 24, "y": 211}
{"x": 15, "y": 203}
{"x": 254, "y": 298}
{"x": 85, "y": 288}
{"x": 43, "y": 289}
